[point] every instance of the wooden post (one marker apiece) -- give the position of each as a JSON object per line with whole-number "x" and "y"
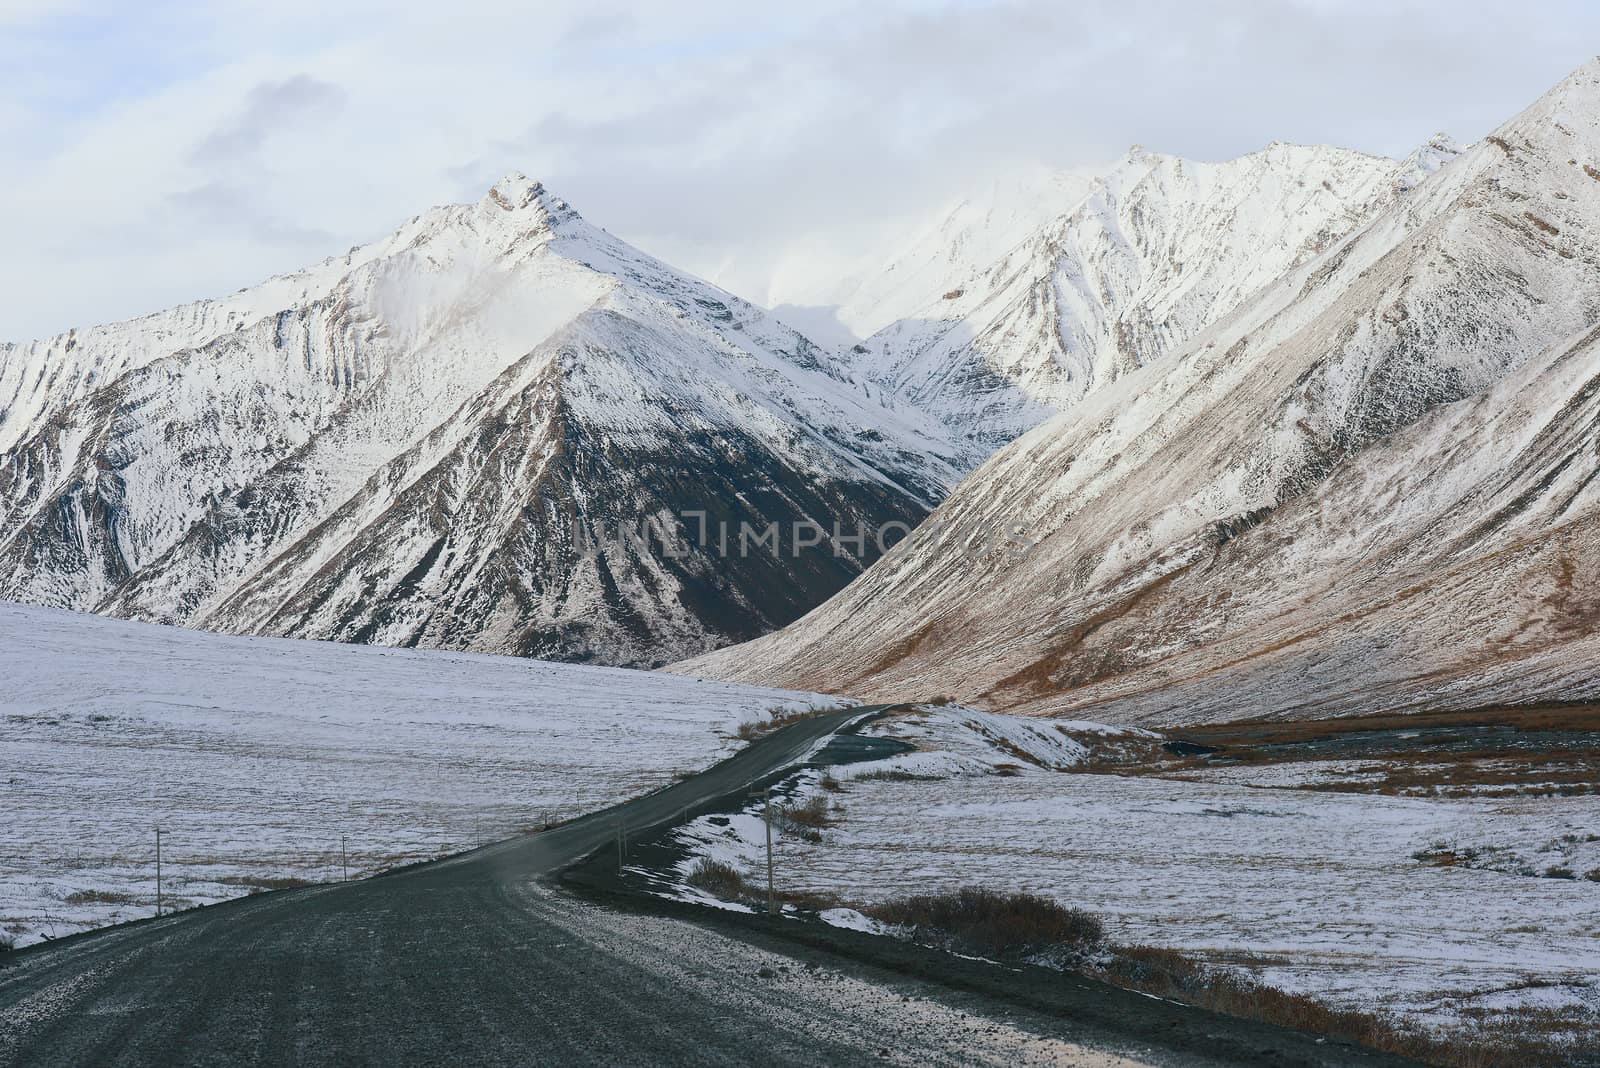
{"x": 158, "y": 871}
{"x": 770, "y": 892}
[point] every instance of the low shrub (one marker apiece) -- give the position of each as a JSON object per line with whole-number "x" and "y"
{"x": 989, "y": 923}
{"x": 718, "y": 878}
{"x": 262, "y": 883}
{"x": 1029, "y": 927}
{"x": 812, "y": 812}
{"x": 808, "y": 900}
{"x": 98, "y": 897}
{"x": 895, "y": 775}
{"x": 778, "y": 717}
{"x": 1521, "y": 1037}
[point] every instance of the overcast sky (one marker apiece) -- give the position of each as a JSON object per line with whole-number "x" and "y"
{"x": 165, "y": 150}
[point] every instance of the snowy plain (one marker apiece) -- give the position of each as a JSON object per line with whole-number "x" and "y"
{"x": 257, "y": 756}
{"x": 1321, "y": 893}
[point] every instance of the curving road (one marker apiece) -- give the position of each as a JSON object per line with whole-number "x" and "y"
{"x": 476, "y": 960}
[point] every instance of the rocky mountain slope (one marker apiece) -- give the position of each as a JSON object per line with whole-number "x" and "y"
{"x": 1369, "y": 487}
{"x": 1119, "y": 272}
{"x": 449, "y": 439}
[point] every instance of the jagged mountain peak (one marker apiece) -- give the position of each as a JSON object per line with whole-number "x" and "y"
{"x": 516, "y": 192}
{"x": 1560, "y": 129}
{"x": 1426, "y": 158}
{"x": 415, "y": 442}
{"x": 1148, "y": 254}
{"x": 1577, "y": 92}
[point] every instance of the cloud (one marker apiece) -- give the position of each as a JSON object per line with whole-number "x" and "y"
{"x": 224, "y": 206}
{"x": 268, "y": 108}
{"x": 227, "y": 140}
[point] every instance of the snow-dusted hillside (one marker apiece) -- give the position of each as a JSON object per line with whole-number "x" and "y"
{"x": 413, "y": 445}
{"x": 256, "y": 756}
{"x": 959, "y": 242}
{"x": 1124, "y": 270}
{"x": 1372, "y": 486}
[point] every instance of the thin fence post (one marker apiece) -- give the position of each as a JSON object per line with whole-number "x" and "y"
{"x": 158, "y": 871}
{"x": 344, "y": 858}
{"x": 770, "y": 892}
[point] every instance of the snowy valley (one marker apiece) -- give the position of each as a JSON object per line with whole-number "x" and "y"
{"x": 1217, "y": 538}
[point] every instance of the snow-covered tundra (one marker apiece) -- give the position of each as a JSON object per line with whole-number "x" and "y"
{"x": 262, "y": 758}
{"x": 1441, "y": 910}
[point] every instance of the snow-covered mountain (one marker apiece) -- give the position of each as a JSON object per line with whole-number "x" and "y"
{"x": 436, "y": 439}
{"x": 1114, "y": 274}
{"x": 1371, "y": 486}
{"x": 958, "y": 242}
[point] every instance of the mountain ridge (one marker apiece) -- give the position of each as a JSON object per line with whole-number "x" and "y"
{"x": 1143, "y": 557}
{"x": 1157, "y": 248}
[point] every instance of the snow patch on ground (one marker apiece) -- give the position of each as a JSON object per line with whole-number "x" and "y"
{"x": 257, "y": 756}
{"x": 1324, "y": 893}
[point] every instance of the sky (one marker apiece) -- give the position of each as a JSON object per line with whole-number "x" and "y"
{"x": 159, "y": 152}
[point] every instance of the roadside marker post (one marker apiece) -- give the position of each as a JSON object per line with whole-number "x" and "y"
{"x": 770, "y": 892}
{"x": 344, "y": 858}
{"x": 158, "y": 871}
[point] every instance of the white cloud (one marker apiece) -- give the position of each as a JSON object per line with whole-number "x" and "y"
{"x": 198, "y": 147}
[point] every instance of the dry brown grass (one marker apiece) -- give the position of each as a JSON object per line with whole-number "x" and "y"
{"x": 99, "y": 897}
{"x": 778, "y": 717}
{"x": 727, "y": 882}
{"x": 1505, "y": 1039}
{"x": 1552, "y": 716}
{"x": 990, "y": 923}
{"x": 717, "y": 878}
{"x": 262, "y": 883}
{"x": 815, "y": 901}
{"x": 896, "y": 775}
{"x": 814, "y": 812}
{"x": 1529, "y": 750}
{"x": 1025, "y": 926}
{"x": 1502, "y": 1040}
